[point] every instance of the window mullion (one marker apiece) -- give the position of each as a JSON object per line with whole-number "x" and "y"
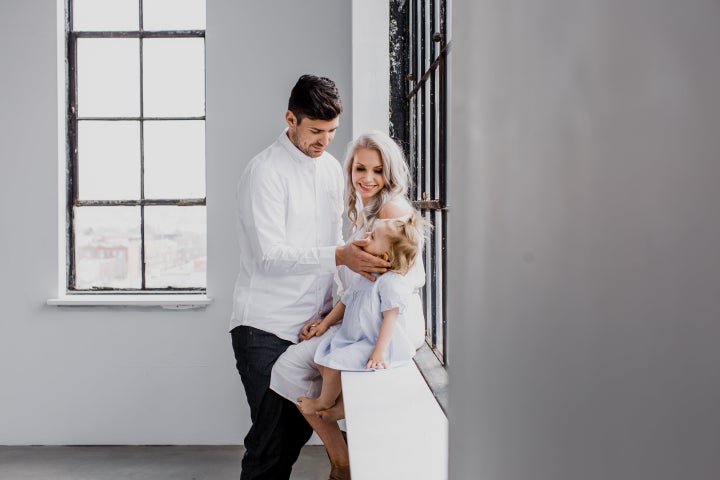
{"x": 143, "y": 269}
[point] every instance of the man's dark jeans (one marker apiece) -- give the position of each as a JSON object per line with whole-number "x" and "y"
{"x": 278, "y": 430}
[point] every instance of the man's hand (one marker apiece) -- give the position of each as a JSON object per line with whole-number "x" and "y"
{"x": 356, "y": 259}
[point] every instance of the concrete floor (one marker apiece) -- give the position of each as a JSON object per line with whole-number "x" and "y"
{"x": 142, "y": 463}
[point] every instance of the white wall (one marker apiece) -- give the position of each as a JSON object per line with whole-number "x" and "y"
{"x": 371, "y": 66}
{"x": 584, "y": 328}
{"x": 128, "y": 375}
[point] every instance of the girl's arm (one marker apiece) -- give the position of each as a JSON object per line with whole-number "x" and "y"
{"x": 317, "y": 328}
{"x": 377, "y": 357}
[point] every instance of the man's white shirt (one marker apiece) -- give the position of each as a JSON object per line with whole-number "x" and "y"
{"x": 289, "y": 220}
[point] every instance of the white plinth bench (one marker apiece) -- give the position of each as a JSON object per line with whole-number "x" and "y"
{"x": 395, "y": 427}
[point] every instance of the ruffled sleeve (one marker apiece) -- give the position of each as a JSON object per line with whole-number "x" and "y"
{"x": 394, "y": 290}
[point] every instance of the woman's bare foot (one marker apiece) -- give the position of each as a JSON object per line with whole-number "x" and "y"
{"x": 339, "y": 472}
{"x": 334, "y": 413}
{"x": 308, "y": 406}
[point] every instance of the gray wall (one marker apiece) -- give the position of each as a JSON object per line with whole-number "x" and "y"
{"x": 585, "y": 170}
{"x": 122, "y": 375}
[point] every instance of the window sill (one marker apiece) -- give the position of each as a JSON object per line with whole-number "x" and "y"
{"x": 413, "y": 442}
{"x": 165, "y": 301}
{"x": 435, "y": 375}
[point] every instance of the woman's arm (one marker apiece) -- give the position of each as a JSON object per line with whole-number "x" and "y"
{"x": 377, "y": 357}
{"x": 315, "y": 329}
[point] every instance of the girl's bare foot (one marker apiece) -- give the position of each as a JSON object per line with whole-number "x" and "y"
{"x": 308, "y": 406}
{"x": 334, "y": 413}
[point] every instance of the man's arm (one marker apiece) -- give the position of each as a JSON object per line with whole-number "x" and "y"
{"x": 262, "y": 210}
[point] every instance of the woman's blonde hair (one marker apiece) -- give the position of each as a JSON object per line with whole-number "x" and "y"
{"x": 406, "y": 237}
{"x": 394, "y": 170}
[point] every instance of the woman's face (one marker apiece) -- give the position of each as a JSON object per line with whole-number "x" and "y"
{"x": 367, "y": 173}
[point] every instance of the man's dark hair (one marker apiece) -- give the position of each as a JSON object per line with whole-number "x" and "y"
{"x": 316, "y": 98}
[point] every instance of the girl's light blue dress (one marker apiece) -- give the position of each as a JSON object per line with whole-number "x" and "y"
{"x": 350, "y": 348}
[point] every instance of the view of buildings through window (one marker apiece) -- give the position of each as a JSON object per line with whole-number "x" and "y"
{"x": 136, "y": 145}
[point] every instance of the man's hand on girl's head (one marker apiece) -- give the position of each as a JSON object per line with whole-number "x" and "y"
{"x": 358, "y": 260}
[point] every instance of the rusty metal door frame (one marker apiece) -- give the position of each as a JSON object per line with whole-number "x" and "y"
{"x": 419, "y": 49}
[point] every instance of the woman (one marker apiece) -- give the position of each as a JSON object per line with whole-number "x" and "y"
{"x": 377, "y": 185}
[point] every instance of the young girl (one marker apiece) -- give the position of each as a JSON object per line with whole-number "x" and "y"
{"x": 370, "y": 336}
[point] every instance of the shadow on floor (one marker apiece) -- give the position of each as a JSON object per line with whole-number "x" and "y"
{"x": 142, "y": 463}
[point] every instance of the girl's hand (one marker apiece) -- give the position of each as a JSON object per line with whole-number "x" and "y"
{"x": 377, "y": 360}
{"x": 312, "y": 329}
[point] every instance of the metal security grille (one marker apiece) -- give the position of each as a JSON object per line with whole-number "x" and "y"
{"x": 141, "y": 122}
{"x": 419, "y": 50}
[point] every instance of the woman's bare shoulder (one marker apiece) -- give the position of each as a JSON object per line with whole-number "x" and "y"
{"x": 395, "y": 208}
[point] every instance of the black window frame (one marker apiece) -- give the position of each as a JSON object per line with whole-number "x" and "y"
{"x": 71, "y": 153}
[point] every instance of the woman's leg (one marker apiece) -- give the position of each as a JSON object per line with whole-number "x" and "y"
{"x": 337, "y": 450}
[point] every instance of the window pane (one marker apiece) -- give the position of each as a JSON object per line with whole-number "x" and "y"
{"x": 174, "y": 77}
{"x": 95, "y": 15}
{"x": 107, "y": 247}
{"x": 175, "y": 247}
{"x": 108, "y": 77}
{"x": 174, "y": 14}
{"x": 108, "y": 160}
{"x": 174, "y": 159}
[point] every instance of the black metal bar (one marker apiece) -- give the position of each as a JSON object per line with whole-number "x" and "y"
{"x": 134, "y": 291}
{"x": 442, "y": 172}
{"x": 142, "y": 155}
{"x": 427, "y": 204}
{"x": 141, "y": 34}
{"x": 187, "y": 202}
{"x": 146, "y": 119}
{"x": 399, "y": 27}
{"x": 70, "y": 145}
{"x": 431, "y": 158}
{"x": 421, "y": 83}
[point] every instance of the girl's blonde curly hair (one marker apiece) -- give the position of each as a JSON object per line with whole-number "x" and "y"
{"x": 407, "y": 238}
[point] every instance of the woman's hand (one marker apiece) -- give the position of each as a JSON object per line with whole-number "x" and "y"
{"x": 313, "y": 328}
{"x": 377, "y": 360}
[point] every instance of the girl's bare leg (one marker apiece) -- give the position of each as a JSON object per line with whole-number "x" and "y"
{"x": 334, "y": 413}
{"x": 331, "y": 388}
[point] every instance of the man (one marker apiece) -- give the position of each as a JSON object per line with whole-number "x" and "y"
{"x": 290, "y": 231}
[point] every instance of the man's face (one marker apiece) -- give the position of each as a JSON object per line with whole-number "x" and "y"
{"x": 311, "y": 136}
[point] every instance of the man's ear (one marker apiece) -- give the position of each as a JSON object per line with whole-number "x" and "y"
{"x": 290, "y": 119}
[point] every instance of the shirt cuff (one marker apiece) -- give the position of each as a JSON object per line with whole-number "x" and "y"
{"x": 327, "y": 259}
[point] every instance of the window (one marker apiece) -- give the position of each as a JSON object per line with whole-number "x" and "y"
{"x": 419, "y": 51}
{"x": 135, "y": 127}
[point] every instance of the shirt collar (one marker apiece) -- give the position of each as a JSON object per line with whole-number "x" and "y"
{"x": 296, "y": 154}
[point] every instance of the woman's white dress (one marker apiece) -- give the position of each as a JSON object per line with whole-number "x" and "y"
{"x": 365, "y": 301}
